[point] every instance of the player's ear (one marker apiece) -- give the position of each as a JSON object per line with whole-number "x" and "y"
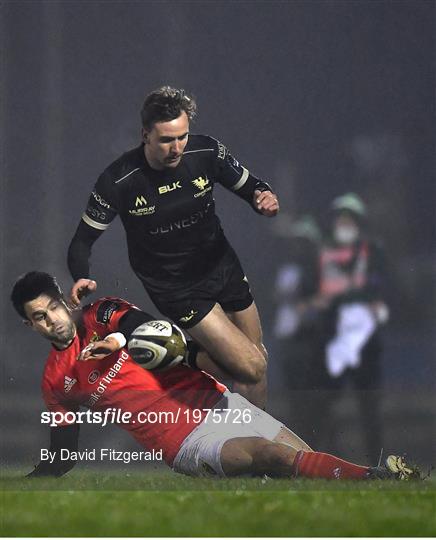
{"x": 144, "y": 135}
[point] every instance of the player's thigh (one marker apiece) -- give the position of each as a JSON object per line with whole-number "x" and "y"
{"x": 222, "y": 338}
{"x": 248, "y": 322}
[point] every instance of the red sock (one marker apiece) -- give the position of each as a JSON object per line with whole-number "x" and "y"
{"x": 319, "y": 465}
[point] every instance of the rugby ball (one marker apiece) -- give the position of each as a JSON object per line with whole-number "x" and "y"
{"x": 157, "y": 345}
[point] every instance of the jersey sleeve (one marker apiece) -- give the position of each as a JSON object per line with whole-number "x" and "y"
{"x": 108, "y": 312}
{"x": 102, "y": 205}
{"x": 234, "y": 176}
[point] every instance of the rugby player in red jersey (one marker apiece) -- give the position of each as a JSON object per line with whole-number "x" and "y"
{"x": 89, "y": 366}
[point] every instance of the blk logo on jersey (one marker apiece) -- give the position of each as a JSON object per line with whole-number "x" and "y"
{"x": 203, "y": 185}
{"x": 168, "y": 188}
{"x": 69, "y": 382}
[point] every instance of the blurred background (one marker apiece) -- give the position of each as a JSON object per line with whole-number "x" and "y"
{"x": 319, "y": 98}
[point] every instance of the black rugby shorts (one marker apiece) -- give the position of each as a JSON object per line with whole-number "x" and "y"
{"x": 225, "y": 285}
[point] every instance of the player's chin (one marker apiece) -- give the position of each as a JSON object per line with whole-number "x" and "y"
{"x": 64, "y": 336}
{"x": 172, "y": 163}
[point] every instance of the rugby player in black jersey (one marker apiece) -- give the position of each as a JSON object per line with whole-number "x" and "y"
{"x": 163, "y": 192}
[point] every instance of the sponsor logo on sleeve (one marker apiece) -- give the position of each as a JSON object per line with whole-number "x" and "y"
{"x": 105, "y": 311}
{"x": 222, "y": 151}
{"x": 96, "y": 214}
{"x": 100, "y": 200}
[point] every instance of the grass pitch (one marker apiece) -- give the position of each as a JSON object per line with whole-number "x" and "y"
{"x": 166, "y": 504}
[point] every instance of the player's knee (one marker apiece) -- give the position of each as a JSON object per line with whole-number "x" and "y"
{"x": 235, "y": 461}
{"x": 256, "y": 369}
{"x": 262, "y": 362}
{"x": 264, "y": 352}
{"x": 261, "y": 369}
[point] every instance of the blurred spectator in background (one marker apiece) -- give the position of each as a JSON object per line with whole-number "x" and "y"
{"x": 296, "y": 279}
{"x": 332, "y": 304}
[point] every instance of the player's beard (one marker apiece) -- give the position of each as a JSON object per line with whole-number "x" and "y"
{"x": 65, "y": 335}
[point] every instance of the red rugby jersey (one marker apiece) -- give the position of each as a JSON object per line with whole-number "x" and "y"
{"x": 119, "y": 382}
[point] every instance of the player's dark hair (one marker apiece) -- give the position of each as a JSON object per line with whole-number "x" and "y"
{"x": 30, "y": 286}
{"x": 165, "y": 104}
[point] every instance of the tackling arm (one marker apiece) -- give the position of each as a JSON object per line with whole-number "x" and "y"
{"x": 79, "y": 250}
{"x": 66, "y": 437}
{"x": 122, "y": 329}
{"x": 131, "y": 320}
{"x": 101, "y": 210}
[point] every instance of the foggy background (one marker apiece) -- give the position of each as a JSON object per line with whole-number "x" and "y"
{"x": 316, "y": 97}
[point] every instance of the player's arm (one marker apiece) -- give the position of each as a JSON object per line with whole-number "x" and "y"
{"x": 79, "y": 251}
{"x": 120, "y": 325}
{"x": 61, "y": 437}
{"x": 99, "y": 214}
{"x": 233, "y": 176}
{"x": 121, "y": 331}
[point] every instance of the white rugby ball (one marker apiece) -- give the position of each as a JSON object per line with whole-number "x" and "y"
{"x": 157, "y": 345}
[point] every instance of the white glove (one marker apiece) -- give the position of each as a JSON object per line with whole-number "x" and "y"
{"x": 355, "y": 326}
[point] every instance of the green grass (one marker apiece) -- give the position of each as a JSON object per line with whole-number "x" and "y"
{"x": 165, "y": 504}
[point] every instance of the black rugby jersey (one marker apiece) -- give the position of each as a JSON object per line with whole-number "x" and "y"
{"x": 174, "y": 236}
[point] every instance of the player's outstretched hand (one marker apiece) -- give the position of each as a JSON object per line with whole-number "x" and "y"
{"x": 97, "y": 350}
{"x": 266, "y": 203}
{"x": 81, "y": 288}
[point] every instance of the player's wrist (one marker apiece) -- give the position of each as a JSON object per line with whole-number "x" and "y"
{"x": 118, "y": 337}
{"x": 192, "y": 350}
